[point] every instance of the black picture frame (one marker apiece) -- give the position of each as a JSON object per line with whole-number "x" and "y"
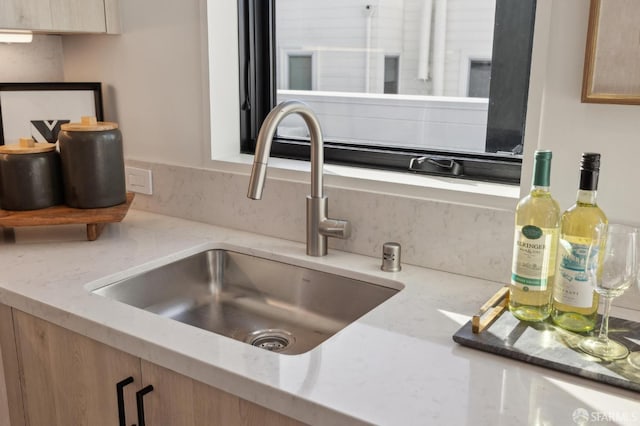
{"x": 70, "y": 98}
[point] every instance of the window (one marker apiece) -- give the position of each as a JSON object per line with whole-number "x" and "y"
{"x": 479, "y": 79}
{"x": 400, "y": 111}
{"x": 391, "y": 71}
{"x": 299, "y": 72}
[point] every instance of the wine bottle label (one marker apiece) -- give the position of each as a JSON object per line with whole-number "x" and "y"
{"x": 534, "y": 257}
{"x": 573, "y": 285}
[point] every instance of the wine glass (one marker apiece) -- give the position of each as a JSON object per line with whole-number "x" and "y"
{"x": 634, "y": 357}
{"x": 617, "y": 270}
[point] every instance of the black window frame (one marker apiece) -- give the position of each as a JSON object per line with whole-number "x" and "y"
{"x": 511, "y": 63}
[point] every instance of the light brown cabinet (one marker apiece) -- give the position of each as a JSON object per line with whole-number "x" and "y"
{"x": 68, "y": 379}
{"x": 192, "y": 403}
{"x": 60, "y": 16}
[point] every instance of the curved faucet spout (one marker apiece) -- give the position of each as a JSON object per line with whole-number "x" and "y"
{"x": 319, "y": 226}
{"x": 265, "y": 139}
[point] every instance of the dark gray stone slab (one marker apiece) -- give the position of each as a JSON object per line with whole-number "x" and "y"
{"x": 547, "y": 345}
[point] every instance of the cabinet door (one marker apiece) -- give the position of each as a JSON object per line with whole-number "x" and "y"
{"x": 25, "y": 14}
{"x": 90, "y": 16}
{"x": 68, "y": 379}
{"x": 11, "y": 413}
{"x": 179, "y": 400}
{"x": 78, "y": 15}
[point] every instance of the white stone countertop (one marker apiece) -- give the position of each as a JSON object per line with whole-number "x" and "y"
{"x": 397, "y": 365}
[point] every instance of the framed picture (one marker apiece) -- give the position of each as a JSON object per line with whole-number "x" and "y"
{"x": 612, "y": 57}
{"x": 37, "y": 110}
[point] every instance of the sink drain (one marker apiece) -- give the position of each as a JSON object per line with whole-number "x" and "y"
{"x": 271, "y": 340}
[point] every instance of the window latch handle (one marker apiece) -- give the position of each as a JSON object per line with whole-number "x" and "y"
{"x": 436, "y": 165}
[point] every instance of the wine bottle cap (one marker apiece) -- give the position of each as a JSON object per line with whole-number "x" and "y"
{"x": 589, "y": 171}
{"x": 590, "y": 161}
{"x": 543, "y": 154}
{"x": 542, "y": 168}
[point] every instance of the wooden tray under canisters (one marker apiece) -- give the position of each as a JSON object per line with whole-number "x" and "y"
{"x": 95, "y": 219}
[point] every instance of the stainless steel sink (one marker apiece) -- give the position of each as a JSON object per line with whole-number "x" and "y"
{"x": 269, "y": 304}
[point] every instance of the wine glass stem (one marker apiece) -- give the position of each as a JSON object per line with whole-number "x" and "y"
{"x": 604, "y": 325}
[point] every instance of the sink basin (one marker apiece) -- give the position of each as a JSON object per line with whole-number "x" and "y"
{"x": 273, "y": 305}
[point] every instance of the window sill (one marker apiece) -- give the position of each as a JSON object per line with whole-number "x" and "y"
{"x": 444, "y": 189}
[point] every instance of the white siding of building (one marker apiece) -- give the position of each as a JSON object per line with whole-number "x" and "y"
{"x": 409, "y": 81}
{"x": 349, "y": 41}
{"x": 405, "y": 121}
{"x": 338, "y": 39}
{"x": 469, "y": 35}
{"x": 335, "y": 31}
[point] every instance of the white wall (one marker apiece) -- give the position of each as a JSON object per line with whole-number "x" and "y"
{"x": 154, "y": 77}
{"x": 38, "y": 61}
{"x": 569, "y": 127}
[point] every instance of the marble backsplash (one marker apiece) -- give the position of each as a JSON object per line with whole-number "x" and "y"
{"x": 463, "y": 239}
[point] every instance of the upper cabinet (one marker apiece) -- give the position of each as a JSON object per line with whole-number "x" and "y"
{"x": 61, "y": 16}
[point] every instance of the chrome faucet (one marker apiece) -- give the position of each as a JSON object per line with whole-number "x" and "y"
{"x": 319, "y": 226}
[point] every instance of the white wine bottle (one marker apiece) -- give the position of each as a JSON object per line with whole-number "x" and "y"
{"x": 537, "y": 221}
{"x": 575, "y": 303}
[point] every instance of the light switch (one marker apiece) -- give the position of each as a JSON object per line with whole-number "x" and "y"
{"x": 138, "y": 180}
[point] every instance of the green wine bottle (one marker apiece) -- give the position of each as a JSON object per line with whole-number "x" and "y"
{"x": 575, "y": 303}
{"x": 537, "y": 221}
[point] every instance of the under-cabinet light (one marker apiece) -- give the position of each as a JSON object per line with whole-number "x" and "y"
{"x": 16, "y": 36}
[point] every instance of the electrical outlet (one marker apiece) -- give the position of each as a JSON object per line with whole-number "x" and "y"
{"x": 138, "y": 180}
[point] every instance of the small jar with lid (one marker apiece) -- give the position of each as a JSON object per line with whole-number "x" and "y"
{"x": 30, "y": 176}
{"x": 92, "y": 164}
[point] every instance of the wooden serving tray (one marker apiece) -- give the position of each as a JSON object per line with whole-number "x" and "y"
{"x": 95, "y": 219}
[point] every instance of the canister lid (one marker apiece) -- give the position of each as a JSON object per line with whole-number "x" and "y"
{"x": 89, "y": 124}
{"x": 27, "y": 146}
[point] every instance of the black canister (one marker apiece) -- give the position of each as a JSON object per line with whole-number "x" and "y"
{"x": 92, "y": 164}
{"x": 30, "y": 176}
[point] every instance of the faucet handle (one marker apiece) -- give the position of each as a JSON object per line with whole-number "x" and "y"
{"x": 335, "y": 228}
